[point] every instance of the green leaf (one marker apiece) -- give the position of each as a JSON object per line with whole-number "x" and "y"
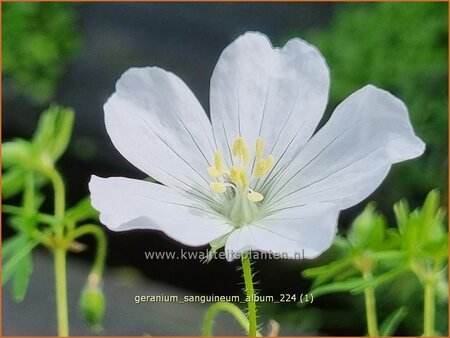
{"x": 13, "y": 244}
{"x": 422, "y": 231}
{"x": 24, "y": 223}
{"x": 355, "y": 285}
{"x": 11, "y": 265}
{"x": 431, "y": 217}
{"x": 391, "y": 323}
{"x": 21, "y": 278}
{"x": 326, "y": 272}
{"x": 380, "y": 279}
{"x": 83, "y": 210}
{"x": 388, "y": 255}
{"x": 333, "y": 266}
{"x": 435, "y": 248}
{"x": 336, "y": 287}
{"x": 13, "y": 182}
{"x": 431, "y": 206}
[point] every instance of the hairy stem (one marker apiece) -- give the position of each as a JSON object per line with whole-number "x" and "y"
{"x": 250, "y": 294}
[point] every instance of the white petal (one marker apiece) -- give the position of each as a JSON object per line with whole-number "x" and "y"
{"x": 158, "y": 125}
{"x": 258, "y": 90}
{"x": 126, "y": 204}
{"x": 352, "y": 154}
{"x": 298, "y": 232}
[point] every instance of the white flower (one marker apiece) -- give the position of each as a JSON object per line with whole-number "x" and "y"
{"x": 255, "y": 177}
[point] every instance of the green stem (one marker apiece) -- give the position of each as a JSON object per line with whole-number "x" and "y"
{"x": 29, "y": 204}
{"x": 250, "y": 294}
{"x": 99, "y": 235}
{"x": 59, "y": 190}
{"x": 60, "y": 249}
{"x": 429, "y": 308}
{"x": 371, "y": 308}
{"x": 61, "y": 291}
{"x": 232, "y": 309}
{"x": 59, "y": 199}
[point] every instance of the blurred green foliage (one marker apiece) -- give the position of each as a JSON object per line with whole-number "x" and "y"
{"x": 21, "y": 157}
{"x": 39, "y": 41}
{"x": 403, "y": 48}
{"x": 372, "y": 254}
{"x": 24, "y": 164}
{"x": 398, "y": 261}
{"x": 28, "y": 165}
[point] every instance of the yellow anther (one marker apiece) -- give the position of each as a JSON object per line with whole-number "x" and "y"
{"x": 259, "y": 148}
{"x": 218, "y": 169}
{"x": 218, "y": 187}
{"x": 235, "y": 175}
{"x": 237, "y": 145}
{"x": 218, "y": 161}
{"x": 255, "y": 196}
{"x": 263, "y": 166}
{"x": 214, "y": 172}
{"x": 240, "y": 149}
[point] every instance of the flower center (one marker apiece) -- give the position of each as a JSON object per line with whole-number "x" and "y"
{"x": 232, "y": 183}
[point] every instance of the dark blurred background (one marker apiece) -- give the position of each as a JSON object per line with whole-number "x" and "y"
{"x": 72, "y": 54}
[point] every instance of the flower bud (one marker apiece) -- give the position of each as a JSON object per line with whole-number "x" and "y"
{"x": 92, "y": 304}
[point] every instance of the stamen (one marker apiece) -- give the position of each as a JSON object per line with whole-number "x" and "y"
{"x": 263, "y": 166}
{"x": 259, "y": 148}
{"x": 240, "y": 150}
{"x": 218, "y": 187}
{"x": 214, "y": 172}
{"x": 218, "y": 170}
{"x": 254, "y": 196}
{"x": 235, "y": 175}
{"x": 240, "y": 204}
{"x": 218, "y": 161}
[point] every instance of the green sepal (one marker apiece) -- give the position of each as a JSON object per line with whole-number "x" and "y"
{"x": 368, "y": 230}
{"x": 53, "y": 132}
